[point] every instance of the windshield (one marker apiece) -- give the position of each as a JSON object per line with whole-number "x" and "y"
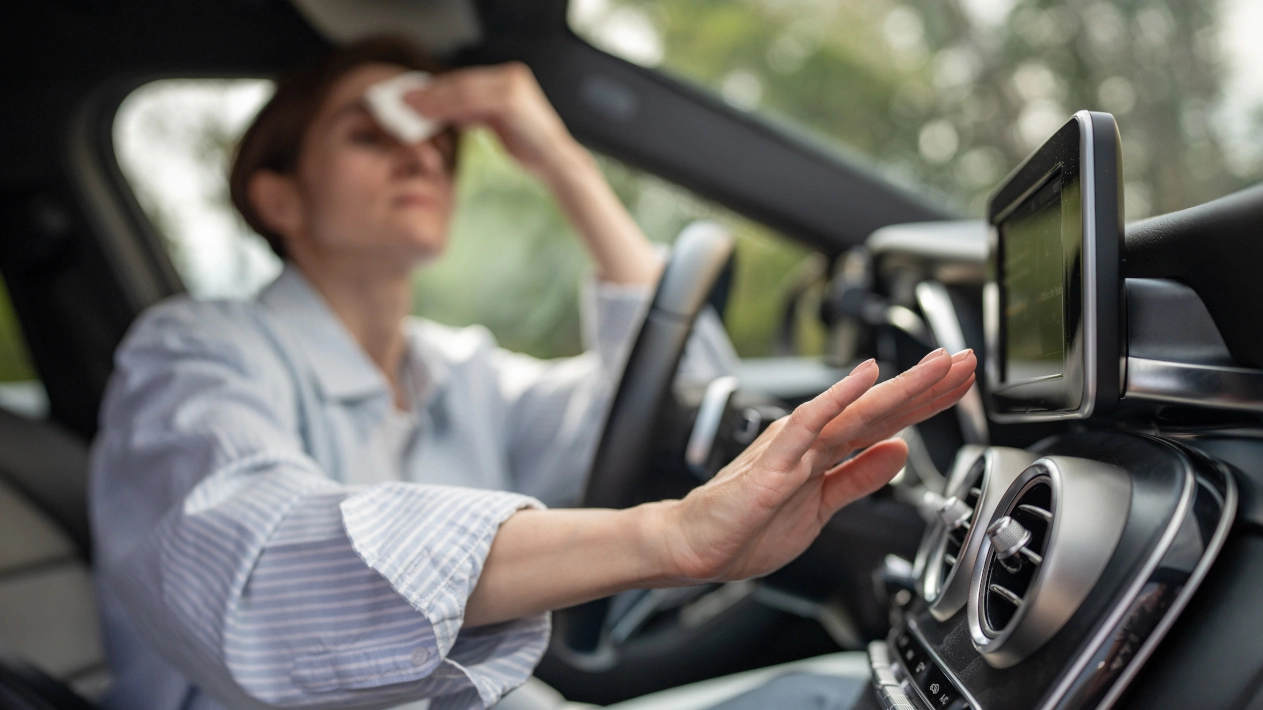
{"x": 950, "y": 95}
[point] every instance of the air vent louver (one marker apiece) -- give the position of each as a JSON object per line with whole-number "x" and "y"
{"x": 1019, "y": 541}
{"x": 958, "y": 528}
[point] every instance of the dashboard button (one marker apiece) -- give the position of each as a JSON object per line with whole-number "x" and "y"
{"x": 938, "y": 689}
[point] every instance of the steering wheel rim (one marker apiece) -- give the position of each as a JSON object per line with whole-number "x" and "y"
{"x": 698, "y": 258}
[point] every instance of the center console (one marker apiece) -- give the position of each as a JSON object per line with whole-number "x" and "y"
{"x": 1050, "y": 574}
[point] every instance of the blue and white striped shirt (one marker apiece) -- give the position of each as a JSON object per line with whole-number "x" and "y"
{"x": 270, "y": 531}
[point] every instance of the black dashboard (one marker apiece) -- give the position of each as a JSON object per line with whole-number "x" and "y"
{"x": 1099, "y": 557}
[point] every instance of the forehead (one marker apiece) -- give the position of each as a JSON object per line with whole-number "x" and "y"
{"x": 349, "y": 89}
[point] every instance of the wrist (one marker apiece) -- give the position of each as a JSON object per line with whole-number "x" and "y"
{"x": 655, "y": 528}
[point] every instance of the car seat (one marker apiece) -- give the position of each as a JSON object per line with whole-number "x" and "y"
{"x": 50, "y": 645}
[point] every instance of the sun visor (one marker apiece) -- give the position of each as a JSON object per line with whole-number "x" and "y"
{"x": 440, "y": 26}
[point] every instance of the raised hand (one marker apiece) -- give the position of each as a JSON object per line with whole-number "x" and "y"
{"x": 768, "y": 505}
{"x": 506, "y": 99}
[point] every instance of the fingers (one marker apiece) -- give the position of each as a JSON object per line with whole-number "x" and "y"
{"x": 931, "y": 355}
{"x": 920, "y": 414}
{"x": 860, "y": 476}
{"x": 962, "y": 368}
{"x": 804, "y": 425}
{"x": 887, "y": 398}
{"x": 474, "y": 95}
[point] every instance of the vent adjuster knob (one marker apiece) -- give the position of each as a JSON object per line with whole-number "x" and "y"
{"x": 1008, "y": 537}
{"x": 954, "y": 513}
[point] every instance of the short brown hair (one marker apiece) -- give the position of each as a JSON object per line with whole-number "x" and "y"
{"x": 275, "y": 139}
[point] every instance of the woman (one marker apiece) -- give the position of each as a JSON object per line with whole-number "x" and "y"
{"x": 299, "y": 500}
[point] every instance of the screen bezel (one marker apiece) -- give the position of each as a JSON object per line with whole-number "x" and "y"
{"x": 1084, "y": 155}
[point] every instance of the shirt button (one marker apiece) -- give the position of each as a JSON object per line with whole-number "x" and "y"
{"x": 420, "y": 656}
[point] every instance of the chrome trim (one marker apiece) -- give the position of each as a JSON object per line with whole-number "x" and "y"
{"x": 1087, "y": 173}
{"x": 1138, "y": 583}
{"x": 940, "y": 315}
{"x": 1089, "y": 325}
{"x": 1090, "y": 502}
{"x": 1194, "y": 385}
{"x": 706, "y": 424}
{"x": 1001, "y": 466}
{"x": 1228, "y": 513}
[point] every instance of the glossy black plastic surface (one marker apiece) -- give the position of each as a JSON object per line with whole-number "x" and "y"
{"x": 1080, "y": 665}
{"x": 1216, "y": 249}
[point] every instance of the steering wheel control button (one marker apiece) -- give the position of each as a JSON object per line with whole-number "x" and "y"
{"x": 1008, "y": 537}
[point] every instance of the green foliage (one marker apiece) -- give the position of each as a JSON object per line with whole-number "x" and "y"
{"x": 15, "y": 364}
{"x": 514, "y": 265}
{"x": 951, "y": 94}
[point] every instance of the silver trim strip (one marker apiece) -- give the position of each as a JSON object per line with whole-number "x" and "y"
{"x": 1125, "y": 603}
{"x": 1228, "y": 514}
{"x": 706, "y": 424}
{"x": 1195, "y": 385}
{"x": 1087, "y": 173}
{"x": 940, "y": 315}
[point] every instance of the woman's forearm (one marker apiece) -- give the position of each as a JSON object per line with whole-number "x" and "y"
{"x": 620, "y": 249}
{"x": 550, "y": 559}
{"x": 758, "y": 513}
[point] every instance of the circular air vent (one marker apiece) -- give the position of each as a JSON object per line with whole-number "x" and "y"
{"x": 957, "y": 514}
{"x": 959, "y": 524}
{"x": 1018, "y": 542}
{"x": 1053, "y": 532}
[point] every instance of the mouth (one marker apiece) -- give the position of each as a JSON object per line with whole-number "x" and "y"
{"x": 413, "y": 199}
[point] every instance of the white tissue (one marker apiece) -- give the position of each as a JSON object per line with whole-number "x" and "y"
{"x": 385, "y": 102}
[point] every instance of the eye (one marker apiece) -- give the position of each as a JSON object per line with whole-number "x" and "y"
{"x": 368, "y": 133}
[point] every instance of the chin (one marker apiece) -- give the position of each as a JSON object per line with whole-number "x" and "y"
{"x": 421, "y": 250}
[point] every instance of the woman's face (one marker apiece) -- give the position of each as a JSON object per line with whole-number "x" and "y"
{"x": 362, "y": 193}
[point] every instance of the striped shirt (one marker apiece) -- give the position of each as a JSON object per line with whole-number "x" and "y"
{"x": 271, "y": 531}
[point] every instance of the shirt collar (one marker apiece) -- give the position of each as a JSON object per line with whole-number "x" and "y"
{"x": 342, "y": 369}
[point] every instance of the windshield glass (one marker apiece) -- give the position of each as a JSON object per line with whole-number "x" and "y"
{"x": 950, "y": 95}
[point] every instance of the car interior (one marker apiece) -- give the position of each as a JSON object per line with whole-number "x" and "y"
{"x": 1082, "y": 530}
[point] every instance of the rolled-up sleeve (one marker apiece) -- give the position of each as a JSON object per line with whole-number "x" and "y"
{"x": 261, "y": 579}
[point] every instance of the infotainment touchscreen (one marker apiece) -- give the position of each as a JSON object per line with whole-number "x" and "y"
{"x": 1053, "y": 297}
{"x": 1033, "y": 287}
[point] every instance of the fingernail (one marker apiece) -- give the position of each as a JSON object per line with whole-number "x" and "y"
{"x": 863, "y": 365}
{"x": 932, "y": 355}
{"x": 962, "y": 355}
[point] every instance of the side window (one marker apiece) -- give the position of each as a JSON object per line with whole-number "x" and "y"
{"x": 947, "y": 97}
{"x": 513, "y": 264}
{"x": 20, "y": 388}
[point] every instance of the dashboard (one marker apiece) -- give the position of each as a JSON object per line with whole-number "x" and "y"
{"x": 1056, "y": 562}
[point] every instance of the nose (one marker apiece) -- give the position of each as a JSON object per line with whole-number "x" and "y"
{"x": 422, "y": 158}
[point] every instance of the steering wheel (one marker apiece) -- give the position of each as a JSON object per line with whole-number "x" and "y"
{"x": 698, "y": 258}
